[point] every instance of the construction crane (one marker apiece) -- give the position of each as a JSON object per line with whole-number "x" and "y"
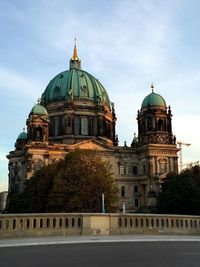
{"x": 180, "y": 144}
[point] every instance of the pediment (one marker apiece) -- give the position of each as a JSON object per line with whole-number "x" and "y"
{"x": 39, "y": 118}
{"x": 94, "y": 145}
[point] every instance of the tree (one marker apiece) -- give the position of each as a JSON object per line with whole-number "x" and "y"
{"x": 74, "y": 184}
{"x": 34, "y": 196}
{"x": 181, "y": 193}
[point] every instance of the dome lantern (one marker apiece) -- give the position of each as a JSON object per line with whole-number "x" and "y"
{"x": 75, "y": 62}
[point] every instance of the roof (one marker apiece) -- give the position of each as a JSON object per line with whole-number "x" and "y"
{"x": 22, "y": 136}
{"x": 39, "y": 110}
{"x": 75, "y": 84}
{"x": 153, "y": 99}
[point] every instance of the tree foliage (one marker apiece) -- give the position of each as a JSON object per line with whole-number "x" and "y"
{"x": 74, "y": 184}
{"x": 181, "y": 193}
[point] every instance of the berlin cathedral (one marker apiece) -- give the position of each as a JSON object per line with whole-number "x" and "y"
{"x": 75, "y": 111}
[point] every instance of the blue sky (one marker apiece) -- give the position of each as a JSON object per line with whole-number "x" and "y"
{"x": 126, "y": 44}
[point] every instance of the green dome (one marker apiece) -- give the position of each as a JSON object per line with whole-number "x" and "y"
{"x": 75, "y": 84}
{"x": 22, "y": 136}
{"x": 39, "y": 110}
{"x": 153, "y": 99}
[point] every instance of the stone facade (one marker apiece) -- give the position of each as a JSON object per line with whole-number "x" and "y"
{"x": 75, "y": 112}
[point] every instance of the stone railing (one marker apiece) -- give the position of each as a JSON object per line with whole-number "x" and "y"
{"x": 18, "y": 225}
{"x": 157, "y": 223}
{"x": 21, "y": 225}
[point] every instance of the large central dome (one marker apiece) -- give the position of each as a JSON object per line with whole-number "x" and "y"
{"x": 78, "y": 107}
{"x": 75, "y": 84}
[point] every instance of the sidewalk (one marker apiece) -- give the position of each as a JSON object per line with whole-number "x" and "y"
{"x": 55, "y": 240}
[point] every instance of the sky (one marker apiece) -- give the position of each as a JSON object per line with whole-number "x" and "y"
{"x": 127, "y": 45}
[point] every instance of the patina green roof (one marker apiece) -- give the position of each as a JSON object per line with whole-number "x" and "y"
{"x": 22, "y": 136}
{"x": 75, "y": 84}
{"x": 153, "y": 99}
{"x": 39, "y": 110}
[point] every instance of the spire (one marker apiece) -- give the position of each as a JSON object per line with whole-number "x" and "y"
{"x": 75, "y": 54}
{"x": 75, "y": 62}
{"x": 152, "y": 87}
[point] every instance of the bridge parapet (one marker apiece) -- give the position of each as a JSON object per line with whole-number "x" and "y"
{"x": 24, "y": 225}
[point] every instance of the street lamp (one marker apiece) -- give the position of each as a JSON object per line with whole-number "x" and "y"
{"x": 103, "y": 203}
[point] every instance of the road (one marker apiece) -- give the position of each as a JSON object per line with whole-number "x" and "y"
{"x": 123, "y": 254}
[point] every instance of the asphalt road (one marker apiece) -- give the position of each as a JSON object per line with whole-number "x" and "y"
{"x": 148, "y": 254}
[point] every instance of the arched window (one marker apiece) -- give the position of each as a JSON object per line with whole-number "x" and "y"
{"x": 136, "y": 202}
{"x": 76, "y": 126}
{"x": 101, "y": 127}
{"x": 38, "y": 134}
{"x": 121, "y": 170}
{"x": 160, "y": 125}
{"x": 91, "y": 126}
{"x": 56, "y": 126}
{"x": 84, "y": 126}
{"x": 123, "y": 191}
{"x": 135, "y": 189}
{"x": 163, "y": 165}
{"x": 108, "y": 129}
{"x": 61, "y": 125}
{"x": 149, "y": 125}
{"x": 164, "y": 125}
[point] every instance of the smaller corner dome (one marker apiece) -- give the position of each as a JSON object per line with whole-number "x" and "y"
{"x": 153, "y": 99}
{"x": 22, "y": 136}
{"x": 39, "y": 109}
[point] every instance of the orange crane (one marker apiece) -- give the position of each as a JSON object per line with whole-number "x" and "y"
{"x": 180, "y": 144}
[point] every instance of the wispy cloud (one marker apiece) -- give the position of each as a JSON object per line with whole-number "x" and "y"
{"x": 14, "y": 82}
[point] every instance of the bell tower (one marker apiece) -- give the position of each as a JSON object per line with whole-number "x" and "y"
{"x": 156, "y": 144}
{"x": 154, "y": 121}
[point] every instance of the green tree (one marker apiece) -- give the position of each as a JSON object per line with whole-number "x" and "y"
{"x": 34, "y": 196}
{"x": 181, "y": 193}
{"x": 74, "y": 184}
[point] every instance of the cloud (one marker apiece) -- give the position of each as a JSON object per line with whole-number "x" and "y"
{"x": 14, "y": 82}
